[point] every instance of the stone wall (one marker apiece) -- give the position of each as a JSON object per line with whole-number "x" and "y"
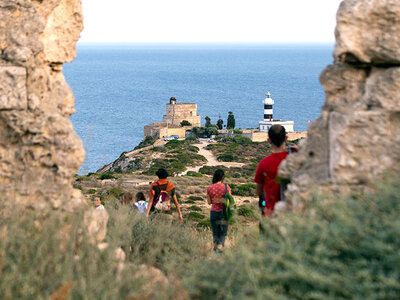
{"x": 39, "y": 150}
{"x": 260, "y": 136}
{"x": 178, "y": 112}
{"x": 356, "y": 140}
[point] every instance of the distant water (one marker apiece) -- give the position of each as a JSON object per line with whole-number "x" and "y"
{"x": 120, "y": 88}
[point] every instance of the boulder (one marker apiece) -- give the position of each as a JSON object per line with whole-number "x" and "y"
{"x": 356, "y": 140}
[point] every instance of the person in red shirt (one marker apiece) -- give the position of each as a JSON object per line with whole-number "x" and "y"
{"x": 267, "y": 170}
{"x": 215, "y": 197}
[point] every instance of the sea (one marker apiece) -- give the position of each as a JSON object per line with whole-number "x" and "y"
{"x": 119, "y": 88}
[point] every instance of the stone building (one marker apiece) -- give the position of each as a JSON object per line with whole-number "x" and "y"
{"x": 171, "y": 125}
{"x": 178, "y": 112}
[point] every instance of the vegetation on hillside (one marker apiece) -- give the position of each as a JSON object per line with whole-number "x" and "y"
{"x": 336, "y": 249}
{"x": 148, "y": 141}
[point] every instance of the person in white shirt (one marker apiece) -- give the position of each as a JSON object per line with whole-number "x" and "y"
{"x": 97, "y": 203}
{"x": 141, "y": 203}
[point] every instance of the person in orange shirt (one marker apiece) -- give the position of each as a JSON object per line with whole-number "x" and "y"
{"x": 162, "y": 186}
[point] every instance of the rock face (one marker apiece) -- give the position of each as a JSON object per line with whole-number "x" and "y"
{"x": 39, "y": 150}
{"x": 356, "y": 140}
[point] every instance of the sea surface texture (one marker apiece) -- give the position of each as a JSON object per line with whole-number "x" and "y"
{"x": 121, "y": 88}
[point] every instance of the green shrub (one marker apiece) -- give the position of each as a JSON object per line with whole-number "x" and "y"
{"x": 44, "y": 256}
{"x": 196, "y": 198}
{"x": 245, "y": 211}
{"x": 247, "y": 189}
{"x": 205, "y": 224}
{"x": 190, "y": 201}
{"x": 148, "y": 140}
{"x": 194, "y": 216}
{"x": 114, "y": 192}
{"x": 108, "y": 175}
{"x": 194, "y": 208}
{"x": 194, "y": 174}
{"x": 185, "y": 123}
{"x": 91, "y": 191}
{"x": 341, "y": 249}
{"x": 227, "y": 157}
{"x": 191, "y": 140}
{"x": 237, "y": 131}
{"x": 82, "y": 178}
{"x": 209, "y": 170}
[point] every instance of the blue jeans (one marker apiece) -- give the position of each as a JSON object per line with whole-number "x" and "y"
{"x": 219, "y": 228}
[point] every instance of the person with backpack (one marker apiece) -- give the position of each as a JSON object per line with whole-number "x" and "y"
{"x": 215, "y": 197}
{"x": 160, "y": 194}
{"x": 268, "y": 189}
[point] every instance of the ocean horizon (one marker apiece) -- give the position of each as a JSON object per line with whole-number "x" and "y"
{"x": 119, "y": 88}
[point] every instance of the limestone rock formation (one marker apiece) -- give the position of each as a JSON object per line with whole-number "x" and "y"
{"x": 356, "y": 140}
{"x": 39, "y": 150}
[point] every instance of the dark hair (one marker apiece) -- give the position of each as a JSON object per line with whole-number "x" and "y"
{"x": 126, "y": 198}
{"x": 97, "y": 196}
{"x": 140, "y": 196}
{"x": 277, "y": 135}
{"x": 162, "y": 173}
{"x": 218, "y": 175}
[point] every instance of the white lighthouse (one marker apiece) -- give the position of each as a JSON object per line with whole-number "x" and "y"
{"x": 269, "y": 117}
{"x": 268, "y": 110}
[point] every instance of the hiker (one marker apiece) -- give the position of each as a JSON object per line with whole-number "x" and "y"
{"x": 97, "y": 203}
{"x": 267, "y": 187}
{"x": 215, "y": 197}
{"x": 141, "y": 203}
{"x": 126, "y": 198}
{"x": 157, "y": 189}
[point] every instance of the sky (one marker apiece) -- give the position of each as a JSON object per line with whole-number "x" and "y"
{"x": 188, "y": 21}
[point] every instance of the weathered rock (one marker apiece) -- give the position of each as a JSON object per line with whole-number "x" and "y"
{"x": 356, "y": 141}
{"x": 367, "y": 32}
{"x": 95, "y": 223}
{"x": 39, "y": 150}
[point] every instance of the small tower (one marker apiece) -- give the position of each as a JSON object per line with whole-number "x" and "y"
{"x": 268, "y": 111}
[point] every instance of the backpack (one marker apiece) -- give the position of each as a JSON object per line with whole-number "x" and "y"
{"x": 228, "y": 206}
{"x": 162, "y": 202}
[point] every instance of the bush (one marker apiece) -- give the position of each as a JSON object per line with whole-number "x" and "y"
{"x": 91, "y": 191}
{"x": 209, "y": 170}
{"x": 227, "y": 157}
{"x": 245, "y": 211}
{"x": 194, "y": 208}
{"x": 185, "y": 123}
{"x": 237, "y": 131}
{"x": 196, "y": 198}
{"x": 148, "y": 140}
{"x": 114, "y": 192}
{"x": 341, "y": 249}
{"x": 191, "y": 140}
{"x": 108, "y": 175}
{"x": 194, "y": 216}
{"x": 51, "y": 258}
{"x": 248, "y": 189}
{"x": 82, "y": 178}
{"x": 204, "y": 224}
{"x": 194, "y": 174}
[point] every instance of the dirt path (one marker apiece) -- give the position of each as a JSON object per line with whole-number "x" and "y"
{"x": 211, "y": 159}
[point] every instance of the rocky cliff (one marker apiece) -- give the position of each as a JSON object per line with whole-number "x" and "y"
{"x": 39, "y": 150}
{"x": 356, "y": 140}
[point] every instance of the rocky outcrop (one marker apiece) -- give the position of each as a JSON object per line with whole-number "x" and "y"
{"x": 356, "y": 140}
{"x": 39, "y": 150}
